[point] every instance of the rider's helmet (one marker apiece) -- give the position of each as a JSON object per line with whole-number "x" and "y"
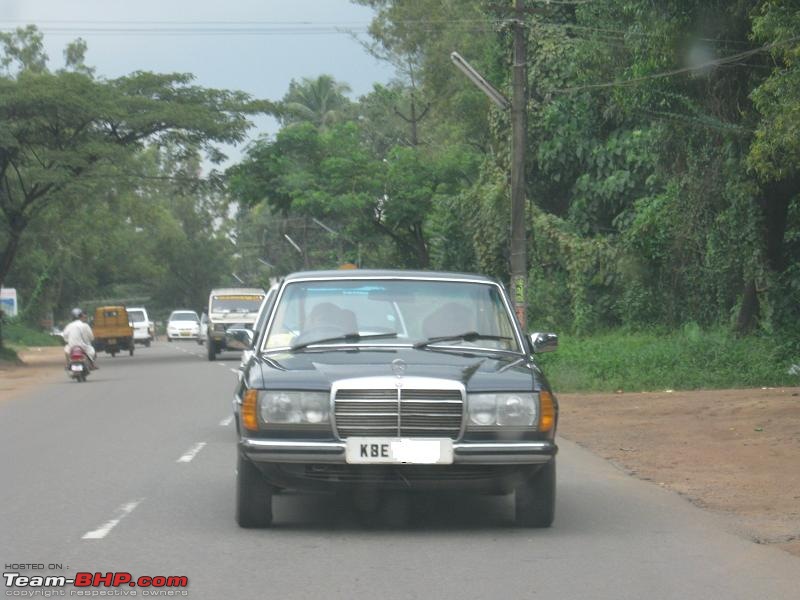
{"x": 76, "y": 313}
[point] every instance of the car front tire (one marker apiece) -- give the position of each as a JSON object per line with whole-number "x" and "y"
{"x": 253, "y": 496}
{"x": 535, "y": 501}
{"x": 212, "y": 350}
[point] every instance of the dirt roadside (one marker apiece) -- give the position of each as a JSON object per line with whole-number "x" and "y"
{"x": 735, "y": 452}
{"x": 39, "y": 365}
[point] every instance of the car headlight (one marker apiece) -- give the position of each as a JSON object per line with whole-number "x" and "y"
{"x": 517, "y": 409}
{"x": 282, "y": 407}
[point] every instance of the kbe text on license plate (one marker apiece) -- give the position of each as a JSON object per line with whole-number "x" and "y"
{"x": 381, "y": 450}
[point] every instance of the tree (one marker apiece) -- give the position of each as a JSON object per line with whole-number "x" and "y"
{"x": 60, "y": 129}
{"x": 319, "y": 101}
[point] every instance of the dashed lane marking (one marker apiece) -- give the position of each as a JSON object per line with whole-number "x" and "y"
{"x": 122, "y": 512}
{"x": 191, "y": 453}
{"x": 226, "y": 421}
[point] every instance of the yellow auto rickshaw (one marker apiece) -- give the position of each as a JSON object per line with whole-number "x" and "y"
{"x": 112, "y": 330}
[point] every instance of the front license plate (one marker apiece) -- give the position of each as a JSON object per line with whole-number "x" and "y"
{"x": 397, "y": 451}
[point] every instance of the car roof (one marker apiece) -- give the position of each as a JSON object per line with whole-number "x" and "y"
{"x": 387, "y": 274}
{"x": 183, "y": 310}
{"x": 234, "y": 291}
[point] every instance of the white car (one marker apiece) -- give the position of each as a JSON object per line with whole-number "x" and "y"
{"x": 143, "y": 327}
{"x": 183, "y": 325}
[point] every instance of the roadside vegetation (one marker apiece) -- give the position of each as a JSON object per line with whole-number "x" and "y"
{"x": 686, "y": 359}
{"x": 663, "y": 180}
{"x": 20, "y": 334}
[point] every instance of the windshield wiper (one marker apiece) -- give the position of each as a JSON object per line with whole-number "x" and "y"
{"x": 347, "y": 337}
{"x": 467, "y": 336}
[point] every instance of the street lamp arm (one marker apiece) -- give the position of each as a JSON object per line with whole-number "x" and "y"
{"x": 476, "y": 78}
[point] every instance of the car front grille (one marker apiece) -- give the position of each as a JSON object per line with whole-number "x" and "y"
{"x": 399, "y": 412}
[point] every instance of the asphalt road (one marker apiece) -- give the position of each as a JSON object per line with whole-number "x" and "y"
{"x": 134, "y": 471}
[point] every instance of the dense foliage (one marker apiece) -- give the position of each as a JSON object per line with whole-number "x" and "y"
{"x": 100, "y": 197}
{"x": 662, "y": 168}
{"x": 662, "y": 164}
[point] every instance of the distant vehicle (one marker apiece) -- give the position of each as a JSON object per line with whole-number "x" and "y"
{"x": 203, "y": 329}
{"x": 112, "y": 330}
{"x": 183, "y": 325}
{"x": 143, "y": 327}
{"x": 247, "y": 339}
{"x": 230, "y": 307}
{"x": 395, "y": 380}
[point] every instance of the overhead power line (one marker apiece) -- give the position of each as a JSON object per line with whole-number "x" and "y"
{"x": 725, "y": 60}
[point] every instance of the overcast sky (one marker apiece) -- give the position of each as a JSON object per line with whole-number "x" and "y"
{"x": 257, "y": 46}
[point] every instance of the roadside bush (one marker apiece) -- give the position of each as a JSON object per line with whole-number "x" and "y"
{"x": 18, "y": 333}
{"x": 689, "y": 358}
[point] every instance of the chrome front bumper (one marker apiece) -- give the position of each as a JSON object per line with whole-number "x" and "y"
{"x": 476, "y": 453}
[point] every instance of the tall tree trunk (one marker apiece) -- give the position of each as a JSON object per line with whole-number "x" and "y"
{"x": 774, "y": 204}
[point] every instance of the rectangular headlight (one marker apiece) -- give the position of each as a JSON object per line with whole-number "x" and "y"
{"x": 285, "y": 407}
{"x": 515, "y": 409}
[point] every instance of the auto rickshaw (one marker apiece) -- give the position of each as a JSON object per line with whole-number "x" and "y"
{"x": 112, "y": 330}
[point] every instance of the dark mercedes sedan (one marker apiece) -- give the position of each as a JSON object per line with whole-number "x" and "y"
{"x": 395, "y": 380}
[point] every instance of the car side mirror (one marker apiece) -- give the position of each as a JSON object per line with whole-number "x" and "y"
{"x": 544, "y": 342}
{"x": 238, "y": 338}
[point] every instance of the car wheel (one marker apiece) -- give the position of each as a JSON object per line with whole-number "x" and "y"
{"x": 536, "y": 498}
{"x": 113, "y": 353}
{"x": 212, "y": 351}
{"x": 147, "y": 343}
{"x": 169, "y": 339}
{"x": 253, "y": 496}
{"x": 131, "y": 348}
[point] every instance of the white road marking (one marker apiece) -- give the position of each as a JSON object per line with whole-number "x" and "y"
{"x": 191, "y": 453}
{"x": 122, "y": 512}
{"x": 222, "y": 364}
{"x": 226, "y": 421}
{"x": 235, "y": 371}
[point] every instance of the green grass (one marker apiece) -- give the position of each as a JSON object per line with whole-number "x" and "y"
{"x": 16, "y": 333}
{"x": 681, "y": 360}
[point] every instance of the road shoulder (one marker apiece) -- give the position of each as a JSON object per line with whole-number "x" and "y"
{"x": 38, "y": 365}
{"x": 734, "y": 452}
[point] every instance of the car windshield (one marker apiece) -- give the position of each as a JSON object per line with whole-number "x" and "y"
{"x": 414, "y": 310}
{"x": 183, "y": 316}
{"x": 241, "y": 303}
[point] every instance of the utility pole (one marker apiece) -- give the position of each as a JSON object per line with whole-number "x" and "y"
{"x": 519, "y": 128}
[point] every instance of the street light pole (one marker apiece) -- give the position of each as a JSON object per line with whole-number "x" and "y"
{"x": 519, "y": 128}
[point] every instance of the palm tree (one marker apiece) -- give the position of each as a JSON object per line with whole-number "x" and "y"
{"x": 320, "y": 101}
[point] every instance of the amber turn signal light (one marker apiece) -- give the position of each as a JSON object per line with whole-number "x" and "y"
{"x": 547, "y": 411}
{"x": 250, "y": 410}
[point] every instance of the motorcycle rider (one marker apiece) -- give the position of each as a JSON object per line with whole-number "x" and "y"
{"x": 78, "y": 333}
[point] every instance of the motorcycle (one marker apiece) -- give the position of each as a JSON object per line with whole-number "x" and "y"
{"x": 78, "y": 367}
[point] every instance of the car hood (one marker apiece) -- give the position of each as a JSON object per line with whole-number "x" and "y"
{"x": 317, "y": 370}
